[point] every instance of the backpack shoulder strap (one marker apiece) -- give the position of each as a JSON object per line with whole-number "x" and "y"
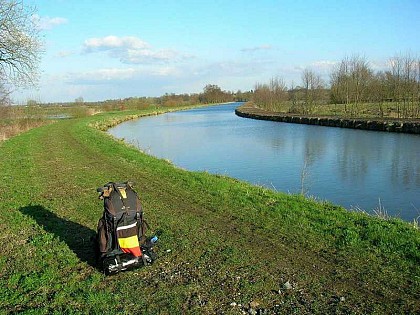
{"x": 117, "y": 189}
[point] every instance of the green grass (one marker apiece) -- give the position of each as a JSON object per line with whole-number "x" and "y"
{"x": 222, "y": 240}
{"x": 385, "y": 110}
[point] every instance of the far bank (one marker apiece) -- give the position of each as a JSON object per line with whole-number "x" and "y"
{"x": 411, "y": 126}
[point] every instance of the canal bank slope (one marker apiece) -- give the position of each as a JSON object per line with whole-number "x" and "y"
{"x": 226, "y": 247}
{"x": 405, "y": 126}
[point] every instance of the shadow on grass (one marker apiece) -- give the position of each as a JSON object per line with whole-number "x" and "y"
{"x": 77, "y": 237}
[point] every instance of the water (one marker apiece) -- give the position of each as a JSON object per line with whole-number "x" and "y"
{"x": 352, "y": 168}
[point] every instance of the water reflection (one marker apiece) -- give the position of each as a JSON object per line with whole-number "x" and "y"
{"x": 353, "y": 157}
{"x": 348, "y": 167}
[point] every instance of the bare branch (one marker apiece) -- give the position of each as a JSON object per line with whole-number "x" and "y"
{"x": 20, "y": 44}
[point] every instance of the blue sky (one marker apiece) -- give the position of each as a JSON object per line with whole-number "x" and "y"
{"x": 115, "y": 49}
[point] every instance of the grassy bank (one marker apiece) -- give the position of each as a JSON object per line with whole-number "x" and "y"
{"x": 248, "y": 110}
{"x": 366, "y": 110}
{"x": 225, "y": 247}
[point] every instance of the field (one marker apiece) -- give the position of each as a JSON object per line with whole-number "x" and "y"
{"x": 225, "y": 246}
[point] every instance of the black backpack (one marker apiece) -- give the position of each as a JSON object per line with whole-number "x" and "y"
{"x": 121, "y": 238}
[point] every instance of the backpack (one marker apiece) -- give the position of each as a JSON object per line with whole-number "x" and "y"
{"x": 121, "y": 235}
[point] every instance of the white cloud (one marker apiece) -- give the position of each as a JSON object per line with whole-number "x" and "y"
{"x": 47, "y": 23}
{"x": 113, "y": 42}
{"x": 380, "y": 65}
{"x": 324, "y": 64}
{"x": 147, "y": 55}
{"x": 115, "y": 75}
{"x": 100, "y": 76}
{"x": 324, "y": 67}
{"x": 233, "y": 68}
{"x": 131, "y": 50}
{"x": 64, "y": 53}
{"x": 165, "y": 71}
{"x": 256, "y": 48}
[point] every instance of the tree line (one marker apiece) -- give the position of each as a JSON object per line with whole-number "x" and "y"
{"x": 353, "y": 85}
{"x": 211, "y": 94}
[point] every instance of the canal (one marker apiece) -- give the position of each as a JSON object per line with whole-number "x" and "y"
{"x": 354, "y": 168}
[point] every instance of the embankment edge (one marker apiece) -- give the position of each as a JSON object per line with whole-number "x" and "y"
{"x": 411, "y": 127}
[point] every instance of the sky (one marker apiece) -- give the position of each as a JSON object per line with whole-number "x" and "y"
{"x": 109, "y": 49}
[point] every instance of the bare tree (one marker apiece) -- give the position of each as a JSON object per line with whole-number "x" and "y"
{"x": 293, "y": 98}
{"x": 350, "y": 82}
{"x": 378, "y": 91}
{"x": 340, "y": 84}
{"x": 4, "y": 95}
{"x": 20, "y": 44}
{"x": 361, "y": 75}
{"x": 396, "y": 71}
{"x": 278, "y": 91}
{"x": 261, "y": 96}
{"x": 409, "y": 85}
{"x": 212, "y": 93}
{"x": 405, "y": 70}
{"x": 79, "y": 100}
{"x": 271, "y": 96}
{"x": 417, "y": 110}
{"x": 4, "y": 102}
{"x": 313, "y": 86}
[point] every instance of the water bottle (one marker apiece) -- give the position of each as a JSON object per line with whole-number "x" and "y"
{"x": 150, "y": 242}
{"x": 148, "y": 255}
{"x": 154, "y": 239}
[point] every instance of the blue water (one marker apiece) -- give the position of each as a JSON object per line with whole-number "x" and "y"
{"x": 352, "y": 168}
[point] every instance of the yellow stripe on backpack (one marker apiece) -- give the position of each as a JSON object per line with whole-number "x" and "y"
{"x": 129, "y": 242}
